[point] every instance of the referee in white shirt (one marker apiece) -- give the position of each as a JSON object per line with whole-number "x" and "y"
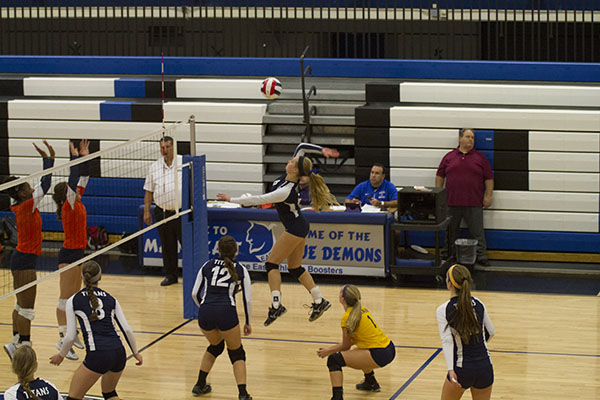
{"x": 160, "y": 189}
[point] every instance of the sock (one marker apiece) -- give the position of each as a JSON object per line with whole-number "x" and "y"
{"x": 370, "y": 377}
{"x": 62, "y": 330}
{"x": 24, "y": 338}
{"x": 15, "y": 333}
{"x": 276, "y": 298}
{"x": 316, "y": 295}
{"x": 15, "y": 338}
{"x": 202, "y": 378}
{"x": 242, "y": 390}
{"x": 338, "y": 392}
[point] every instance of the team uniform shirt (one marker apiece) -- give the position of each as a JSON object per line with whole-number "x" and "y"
{"x": 74, "y": 215}
{"x": 385, "y": 192}
{"x": 29, "y": 221}
{"x": 214, "y": 286}
{"x": 101, "y": 334}
{"x": 40, "y": 387}
{"x": 284, "y": 194}
{"x": 367, "y": 335}
{"x": 465, "y": 177}
{"x": 161, "y": 182}
{"x": 457, "y": 353}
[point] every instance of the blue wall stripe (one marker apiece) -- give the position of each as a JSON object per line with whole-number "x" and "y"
{"x": 127, "y": 87}
{"x": 115, "y": 111}
{"x": 484, "y": 139}
{"x": 402, "y": 69}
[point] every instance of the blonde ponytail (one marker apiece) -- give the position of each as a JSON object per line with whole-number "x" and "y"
{"x": 24, "y": 365}
{"x": 351, "y": 295}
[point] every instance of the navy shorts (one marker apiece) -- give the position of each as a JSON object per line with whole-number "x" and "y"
{"x": 102, "y": 361}
{"x": 298, "y": 227}
{"x": 479, "y": 375}
{"x": 384, "y": 356}
{"x": 22, "y": 261}
{"x": 67, "y": 256}
{"x": 218, "y": 317}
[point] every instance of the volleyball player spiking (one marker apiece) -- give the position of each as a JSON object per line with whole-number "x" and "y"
{"x": 96, "y": 311}
{"x": 29, "y": 246}
{"x": 290, "y": 245}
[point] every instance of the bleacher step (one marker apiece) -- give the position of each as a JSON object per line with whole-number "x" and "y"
{"x": 534, "y": 271}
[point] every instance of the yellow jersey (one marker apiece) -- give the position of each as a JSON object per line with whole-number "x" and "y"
{"x": 367, "y": 335}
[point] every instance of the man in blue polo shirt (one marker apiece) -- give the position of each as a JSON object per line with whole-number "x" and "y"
{"x": 376, "y": 191}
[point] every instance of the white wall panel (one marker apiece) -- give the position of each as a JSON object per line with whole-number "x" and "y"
{"x": 564, "y": 141}
{"x": 76, "y": 87}
{"x": 23, "y": 166}
{"x": 545, "y": 201}
{"x": 245, "y": 153}
{"x": 413, "y": 176}
{"x": 125, "y": 168}
{"x": 564, "y": 182}
{"x": 428, "y": 138}
{"x": 564, "y": 162}
{"x": 540, "y": 221}
{"x": 229, "y": 133}
{"x": 24, "y": 147}
{"x": 416, "y": 158}
{"x": 494, "y": 118}
{"x": 219, "y": 89}
{"x": 234, "y": 172}
{"x": 82, "y": 110}
{"x": 234, "y": 189}
{"x": 476, "y": 93}
{"x": 230, "y": 113}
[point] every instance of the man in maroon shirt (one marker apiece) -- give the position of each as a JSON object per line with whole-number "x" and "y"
{"x": 469, "y": 187}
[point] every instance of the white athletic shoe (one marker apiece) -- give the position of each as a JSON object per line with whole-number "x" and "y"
{"x": 77, "y": 343}
{"x": 10, "y": 350}
{"x": 71, "y": 355}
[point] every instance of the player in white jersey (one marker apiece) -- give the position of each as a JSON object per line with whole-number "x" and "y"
{"x": 96, "y": 311}
{"x": 24, "y": 365}
{"x": 214, "y": 292}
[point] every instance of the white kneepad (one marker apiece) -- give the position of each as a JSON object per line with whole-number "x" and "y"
{"x": 27, "y": 313}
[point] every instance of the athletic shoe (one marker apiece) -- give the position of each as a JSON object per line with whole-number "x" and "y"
{"x": 77, "y": 343}
{"x": 275, "y": 313}
{"x": 71, "y": 355}
{"x": 10, "y": 350}
{"x": 319, "y": 309}
{"x": 369, "y": 387}
{"x": 244, "y": 397}
{"x": 200, "y": 390}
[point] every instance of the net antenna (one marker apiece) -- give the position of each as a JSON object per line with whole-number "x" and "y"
{"x": 111, "y": 199}
{"x": 162, "y": 89}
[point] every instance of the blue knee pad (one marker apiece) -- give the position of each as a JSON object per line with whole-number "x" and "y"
{"x": 296, "y": 272}
{"x": 237, "y": 354}
{"x": 335, "y": 362}
{"x": 216, "y": 350}
{"x": 269, "y": 266}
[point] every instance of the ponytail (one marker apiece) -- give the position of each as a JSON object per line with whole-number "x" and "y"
{"x": 464, "y": 320}
{"x": 24, "y": 365}
{"x": 59, "y": 197}
{"x": 351, "y": 295}
{"x": 91, "y": 273}
{"x": 321, "y": 197}
{"x": 228, "y": 250}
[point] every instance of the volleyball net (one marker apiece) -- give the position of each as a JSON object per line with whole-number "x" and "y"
{"x": 113, "y": 197}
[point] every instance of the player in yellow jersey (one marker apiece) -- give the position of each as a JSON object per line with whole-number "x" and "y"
{"x": 373, "y": 348}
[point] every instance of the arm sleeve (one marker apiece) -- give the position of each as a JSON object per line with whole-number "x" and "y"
{"x": 71, "y": 328}
{"x": 446, "y": 336}
{"x": 393, "y": 192}
{"x": 276, "y": 196}
{"x": 40, "y": 190}
{"x": 198, "y": 284}
{"x": 247, "y": 296}
{"x": 441, "y": 171}
{"x": 84, "y": 177}
{"x": 149, "y": 182}
{"x": 490, "y": 331}
{"x": 304, "y": 148}
{"x": 125, "y": 328}
{"x": 11, "y": 393}
{"x": 72, "y": 184}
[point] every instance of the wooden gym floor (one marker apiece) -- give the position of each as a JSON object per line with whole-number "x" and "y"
{"x": 546, "y": 346}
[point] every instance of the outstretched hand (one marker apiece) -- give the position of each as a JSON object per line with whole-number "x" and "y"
{"x": 73, "y": 149}
{"x": 43, "y": 152}
{"x": 328, "y": 153}
{"x": 139, "y": 358}
{"x": 56, "y": 359}
{"x": 223, "y": 196}
{"x": 84, "y": 147}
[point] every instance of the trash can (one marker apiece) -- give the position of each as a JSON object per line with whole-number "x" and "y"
{"x": 466, "y": 251}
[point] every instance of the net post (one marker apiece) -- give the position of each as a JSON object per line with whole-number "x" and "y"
{"x": 192, "y": 122}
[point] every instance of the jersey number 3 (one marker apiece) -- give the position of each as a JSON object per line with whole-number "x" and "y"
{"x": 222, "y": 281}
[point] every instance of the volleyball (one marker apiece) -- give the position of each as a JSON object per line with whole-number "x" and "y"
{"x": 271, "y": 88}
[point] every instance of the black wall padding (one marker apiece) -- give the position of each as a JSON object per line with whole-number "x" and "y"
{"x": 3, "y": 109}
{"x": 94, "y": 164}
{"x": 4, "y": 169}
{"x": 361, "y": 174}
{"x": 382, "y": 92}
{"x": 3, "y": 129}
{"x": 367, "y": 156}
{"x": 511, "y": 180}
{"x": 4, "y": 165}
{"x": 183, "y": 147}
{"x": 141, "y": 112}
{"x": 372, "y": 137}
{"x": 11, "y": 87}
{"x": 511, "y": 160}
{"x": 372, "y": 116}
{"x": 511, "y": 140}
{"x": 153, "y": 89}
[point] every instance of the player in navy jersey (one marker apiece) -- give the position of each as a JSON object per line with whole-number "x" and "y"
{"x": 290, "y": 244}
{"x": 214, "y": 292}
{"x": 96, "y": 309}
{"x": 24, "y": 365}
{"x": 465, "y": 327}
